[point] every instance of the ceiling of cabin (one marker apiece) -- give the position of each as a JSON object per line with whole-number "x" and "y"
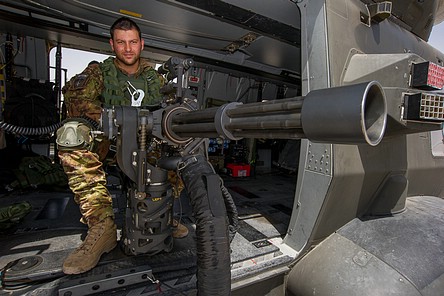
{"x": 261, "y": 36}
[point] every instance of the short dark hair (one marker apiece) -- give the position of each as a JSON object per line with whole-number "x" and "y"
{"x": 94, "y": 62}
{"x": 124, "y": 23}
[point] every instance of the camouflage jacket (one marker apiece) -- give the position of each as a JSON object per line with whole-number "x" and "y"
{"x": 86, "y": 93}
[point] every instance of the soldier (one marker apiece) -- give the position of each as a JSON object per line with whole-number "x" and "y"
{"x": 112, "y": 82}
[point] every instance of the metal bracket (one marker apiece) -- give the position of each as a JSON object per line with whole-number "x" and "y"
{"x": 377, "y": 12}
{"x": 87, "y": 284}
{"x": 242, "y": 42}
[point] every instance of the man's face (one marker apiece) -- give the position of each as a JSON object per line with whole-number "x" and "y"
{"x": 127, "y": 46}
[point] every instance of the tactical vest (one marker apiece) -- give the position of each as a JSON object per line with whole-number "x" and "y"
{"x": 116, "y": 85}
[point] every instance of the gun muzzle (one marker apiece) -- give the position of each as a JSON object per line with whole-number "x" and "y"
{"x": 350, "y": 114}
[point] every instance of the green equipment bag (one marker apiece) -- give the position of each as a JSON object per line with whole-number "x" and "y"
{"x": 39, "y": 171}
{"x": 11, "y": 215}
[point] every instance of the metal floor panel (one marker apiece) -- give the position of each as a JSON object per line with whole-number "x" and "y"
{"x": 52, "y": 230}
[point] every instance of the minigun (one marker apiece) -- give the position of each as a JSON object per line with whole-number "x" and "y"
{"x": 352, "y": 114}
{"x": 151, "y": 143}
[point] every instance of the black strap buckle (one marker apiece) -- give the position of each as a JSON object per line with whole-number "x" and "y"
{"x": 183, "y": 164}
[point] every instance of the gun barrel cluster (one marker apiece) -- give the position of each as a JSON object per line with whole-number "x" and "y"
{"x": 350, "y": 114}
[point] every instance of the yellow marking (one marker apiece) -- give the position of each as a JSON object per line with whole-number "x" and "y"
{"x": 130, "y": 13}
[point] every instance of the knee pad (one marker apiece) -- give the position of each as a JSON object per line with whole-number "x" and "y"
{"x": 74, "y": 135}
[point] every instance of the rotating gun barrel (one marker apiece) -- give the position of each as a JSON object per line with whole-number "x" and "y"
{"x": 351, "y": 114}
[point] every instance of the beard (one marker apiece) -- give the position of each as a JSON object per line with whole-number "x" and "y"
{"x": 128, "y": 59}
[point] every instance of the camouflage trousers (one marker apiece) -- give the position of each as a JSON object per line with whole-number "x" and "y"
{"x": 87, "y": 180}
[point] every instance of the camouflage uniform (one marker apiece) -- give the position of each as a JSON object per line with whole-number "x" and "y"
{"x": 84, "y": 96}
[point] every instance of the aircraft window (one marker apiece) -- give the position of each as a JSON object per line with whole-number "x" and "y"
{"x": 73, "y": 61}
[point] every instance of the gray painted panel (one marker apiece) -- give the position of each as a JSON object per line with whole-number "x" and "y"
{"x": 312, "y": 185}
{"x": 339, "y": 267}
{"x": 360, "y": 171}
{"x": 411, "y": 242}
{"x": 310, "y": 192}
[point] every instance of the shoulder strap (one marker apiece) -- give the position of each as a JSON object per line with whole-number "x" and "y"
{"x": 113, "y": 93}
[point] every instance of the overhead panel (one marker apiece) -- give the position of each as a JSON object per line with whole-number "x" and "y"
{"x": 211, "y": 25}
{"x": 261, "y": 37}
{"x": 250, "y": 18}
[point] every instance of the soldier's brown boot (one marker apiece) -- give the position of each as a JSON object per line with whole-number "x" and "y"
{"x": 179, "y": 230}
{"x": 101, "y": 238}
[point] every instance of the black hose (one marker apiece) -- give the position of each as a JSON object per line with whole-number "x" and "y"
{"x": 29, "y": 131}
{"x": 204, "y": 189}
{"x": 231, "y": 212}
{"x": 44, "y": 130}
{"x": 170, "y": 163}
